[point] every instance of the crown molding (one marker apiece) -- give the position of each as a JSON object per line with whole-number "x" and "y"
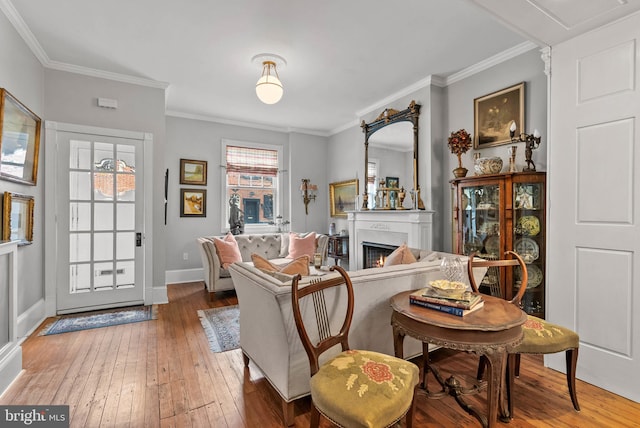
{"x": 491, "y": 61}
{"x": 339, "y": 129}
{"x": 21, "y": 27}
{"x": 118, "y": 77}
{"x": 254, "y": 125}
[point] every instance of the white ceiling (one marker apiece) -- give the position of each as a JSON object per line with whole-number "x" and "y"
{"x": 344, "y": 57}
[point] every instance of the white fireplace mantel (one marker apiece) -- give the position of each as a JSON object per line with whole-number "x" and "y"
{"x": 392, "y": 227}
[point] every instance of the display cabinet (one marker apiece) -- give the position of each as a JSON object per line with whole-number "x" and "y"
{"x": 496, "y": 213}
{"x": 338, "y": 248}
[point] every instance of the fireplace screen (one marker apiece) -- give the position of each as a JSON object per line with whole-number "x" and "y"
{"x": 375, "y": 253}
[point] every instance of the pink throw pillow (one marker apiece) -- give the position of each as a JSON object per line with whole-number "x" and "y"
{"x": 400, "y": 256}
{"x": 301, "y": 246}
{"x": 227, "y": 249}
{"x": 298, "y": 266}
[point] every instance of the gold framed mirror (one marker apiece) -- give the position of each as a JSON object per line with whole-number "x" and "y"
{"x": 394, "y": 130}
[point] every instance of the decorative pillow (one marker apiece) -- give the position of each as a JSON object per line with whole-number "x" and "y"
{"x": 302, "y": 245}
{"x": 227, "y": 249}
{"x": 400, "y": 256}
{"x": 299, "y": 265}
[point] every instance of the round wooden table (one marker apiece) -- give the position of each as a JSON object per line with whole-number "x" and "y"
{"x": 493, "y": 331}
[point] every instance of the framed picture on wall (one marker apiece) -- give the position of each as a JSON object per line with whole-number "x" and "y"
{"x": 17, "y": 218}
{"x": 19, "y": 140}
{"x": 193, "y": 203}
{"x": 342, "y": 197}
{"x": 193, "y": 172}
{"x": 494, "y": 113}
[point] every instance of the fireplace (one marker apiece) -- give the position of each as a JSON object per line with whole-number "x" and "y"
{"x": 375, "y": 253}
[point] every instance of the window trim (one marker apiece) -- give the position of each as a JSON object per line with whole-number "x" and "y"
{"x": 278, "y": 203}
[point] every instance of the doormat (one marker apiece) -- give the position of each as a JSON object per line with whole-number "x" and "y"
{"x": 222, "y": 327}
{"x": 97, "y": 319}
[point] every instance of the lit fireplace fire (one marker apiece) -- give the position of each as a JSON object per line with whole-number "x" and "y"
{"x": 381, "y": 260}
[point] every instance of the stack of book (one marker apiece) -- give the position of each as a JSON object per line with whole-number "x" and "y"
{"x": 459, "y": 304}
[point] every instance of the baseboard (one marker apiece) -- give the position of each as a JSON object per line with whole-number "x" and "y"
{"x": 30, "y": 319}
{"x": 183, "y": 275}
{"x": 160, "y": 296}
{"x": 10, "y": 368}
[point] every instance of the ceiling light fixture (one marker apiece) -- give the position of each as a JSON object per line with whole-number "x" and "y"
{"x": 269, "y": 88}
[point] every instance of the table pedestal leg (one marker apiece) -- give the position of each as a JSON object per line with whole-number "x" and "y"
{"x": 495, "y": 399}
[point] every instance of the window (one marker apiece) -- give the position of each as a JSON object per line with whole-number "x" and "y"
{"x": 251, "y": 184}
{"x": 372, "y": 185}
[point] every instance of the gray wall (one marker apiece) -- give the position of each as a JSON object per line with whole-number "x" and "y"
{"x": 23, "y": 76}
{"x": 72, "y": 98}
{"x": 459, "y": 98}
{"x": 304, "y": 157}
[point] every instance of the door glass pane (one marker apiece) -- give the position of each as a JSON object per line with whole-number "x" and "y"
{"x": 103, "y": 216}
{"x": 481, "y": 227}
{"x": 125, "y": 274}
{"x": 126, "y": 158}
{"x": 79, "y": 278}
{"x": 125, "y": 245}
{"x": 126, "y": 216}
{"x": 80, "y": 155}
{"x": 103, "y": 157}
{"x": 126, "y": 187}
{"x": 103, "y": 276}
{"x": 79, "y": 216}
{"x": 79, "y": 247}
{"x": 79, "y": 185}
{"x": 103, "y": 246}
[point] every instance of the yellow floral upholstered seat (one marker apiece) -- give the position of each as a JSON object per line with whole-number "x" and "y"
{"x": 543, "y": 337}
{"x": 356, "y": 388}
{"x": 365, "y": 388}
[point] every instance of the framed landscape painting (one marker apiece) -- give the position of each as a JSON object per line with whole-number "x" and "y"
{"x": 193, "y": 172}
{"x": 193, "y": 203}
{"x": 17, "y": 218}
{"x": 494, "y": 113}
{"x": 342, "y": 197}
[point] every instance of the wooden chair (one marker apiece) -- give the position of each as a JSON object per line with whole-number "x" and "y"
{"x": 354, "y": 388}
{"x": 540, "y": 336}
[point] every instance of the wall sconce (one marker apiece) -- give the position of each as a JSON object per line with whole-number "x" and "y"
{"x": 532, "y": 141}
{"x": 308, "y": 192}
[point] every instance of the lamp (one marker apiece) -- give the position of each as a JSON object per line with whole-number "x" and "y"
{"x": 308, "y": 192}
{"x": 532, "y": 141}
{"x": 269, "y": 87}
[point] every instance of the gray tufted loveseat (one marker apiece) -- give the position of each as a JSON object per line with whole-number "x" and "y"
{"x": 272, "y": 246}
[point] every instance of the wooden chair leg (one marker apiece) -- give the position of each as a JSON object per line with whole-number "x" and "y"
{"x": 412, "y": 408}
{"x": 288, "y": 413}
{"x": 517, "y": 365}
{"x": 509, "y": 382}
{"x": 315, "y": 417}
{"x": 572, "y": 363}
{"x": 482, "y": 364}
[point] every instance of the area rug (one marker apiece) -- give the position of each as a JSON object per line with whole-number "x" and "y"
{"x": 222, "y": 327}
{"x": 97, "y": 319}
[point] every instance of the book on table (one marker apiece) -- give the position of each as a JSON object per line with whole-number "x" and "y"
{"x": 461, "y": 306}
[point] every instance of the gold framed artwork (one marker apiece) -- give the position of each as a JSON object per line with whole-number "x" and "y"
{"x": 193, "y": 203}
{"x": 494, "y": 113}
{"x": 193, "y": 172}
{"x": 17, "y": 218}
{"x": 342, "y": 197}
{"x": 19, "y": 140}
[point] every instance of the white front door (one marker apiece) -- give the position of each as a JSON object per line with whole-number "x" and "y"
{"x": 100, "y": 219}
{"x": 594, "y": 203}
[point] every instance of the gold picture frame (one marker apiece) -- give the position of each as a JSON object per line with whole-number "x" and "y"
{"x": 193, "y": 172}
{"x": 494, "y": 113}
{"x": 17, "y": 218}
{"x": 19, "y": 140}
{"x": 193, "y": 203}
{"x": 342, "y": 197}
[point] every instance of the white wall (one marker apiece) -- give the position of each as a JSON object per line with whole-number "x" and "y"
{"x": 23, "y": 76}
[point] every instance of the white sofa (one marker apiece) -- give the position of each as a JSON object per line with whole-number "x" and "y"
{"x": 268, "y": 334}
{"x": 272, "y": 246}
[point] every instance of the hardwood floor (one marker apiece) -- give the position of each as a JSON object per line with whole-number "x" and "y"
{"x": 162, "y": 373}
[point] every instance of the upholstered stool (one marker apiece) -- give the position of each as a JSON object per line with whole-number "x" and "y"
{"x": 364, "y": 389}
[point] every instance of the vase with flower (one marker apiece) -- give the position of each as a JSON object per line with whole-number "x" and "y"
{"x": 459, "y": 143}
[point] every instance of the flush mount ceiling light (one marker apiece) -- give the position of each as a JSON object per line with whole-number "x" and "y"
{"x": 269, "y": 88}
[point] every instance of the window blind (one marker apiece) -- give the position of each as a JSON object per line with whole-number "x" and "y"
{"x": 252, "y": 161}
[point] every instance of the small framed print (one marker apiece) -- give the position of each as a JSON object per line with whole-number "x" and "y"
{"x": 392, "y": 182}
{"x": 17, "y": 218}
{"x": 494, "y": 113}
{"x": 193, "y": 203}
{"x": 193, "y": 172}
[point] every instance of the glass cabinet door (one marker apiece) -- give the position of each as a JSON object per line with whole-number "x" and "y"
{"x": 528, "y": 242}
